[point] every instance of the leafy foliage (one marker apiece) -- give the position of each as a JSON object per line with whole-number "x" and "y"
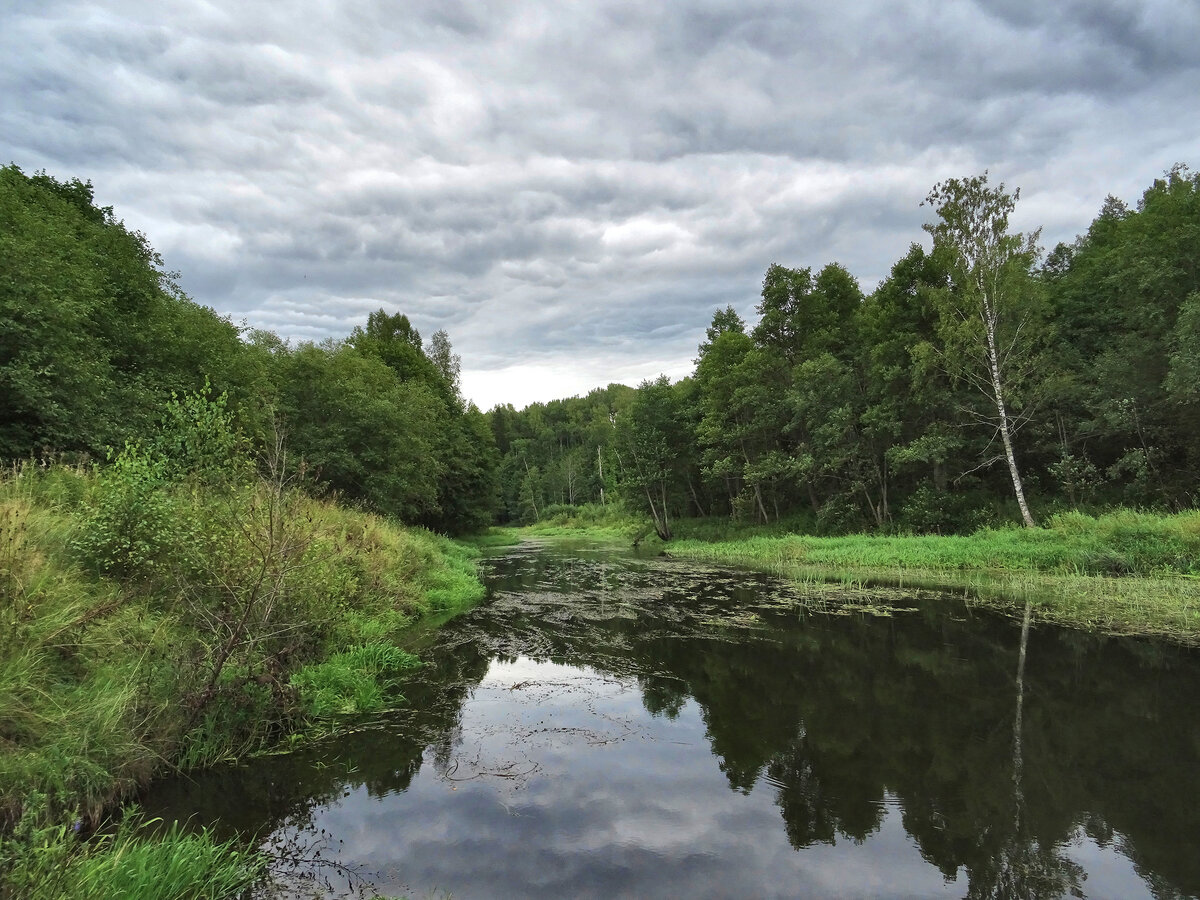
{"x": 133, "y": 527}
{"x": 96, "y": 339}
{"x": 94, "y": 333}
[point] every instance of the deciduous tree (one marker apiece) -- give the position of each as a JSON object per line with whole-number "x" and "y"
{"x": 986, "y": 326}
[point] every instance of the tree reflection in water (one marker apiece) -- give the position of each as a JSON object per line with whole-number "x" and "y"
{"x": 843, "y": 715}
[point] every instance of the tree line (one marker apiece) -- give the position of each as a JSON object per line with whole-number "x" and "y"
{"x": 97, "y": 338}
{"x": 983, "y": 381}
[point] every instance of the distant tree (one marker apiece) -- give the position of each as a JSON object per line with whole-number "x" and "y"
{"x": 653, "y": 440}
{"x": 742, "y": 393}
{"x": 723, "y": 321}
{"x": 448, "y": 363}
{"x": 785, "y": 317}
{"x": 391, "y": 338}
{"x": 907, "y": 422}
{"x": 365, "y": 433}
{"x": 802, "y": 316}
{"x": 1183, "y": 380}
{"x": 1126, "y": 323}
{"x": 468, "y": 487}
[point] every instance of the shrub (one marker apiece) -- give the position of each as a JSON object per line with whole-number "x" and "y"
{"x": 132, "y": 525}
{"x": 196, "y": 438}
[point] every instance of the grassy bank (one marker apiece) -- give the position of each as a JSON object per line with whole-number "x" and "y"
{"x": 151, "y": 622}
{"x": 48, "y": 862}
{"x": 1119, "y": 543}
{"x": 595, "y": 520}
{"x": 1124, "y": 572}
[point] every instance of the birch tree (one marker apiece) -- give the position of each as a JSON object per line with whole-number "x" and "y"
{"x": 985, "y": 327}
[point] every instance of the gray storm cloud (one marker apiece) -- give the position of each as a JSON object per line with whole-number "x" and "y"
{"x": 570, "y": 190}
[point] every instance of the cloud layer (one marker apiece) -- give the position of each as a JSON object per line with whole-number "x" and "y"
{"x": 571, "y": 189}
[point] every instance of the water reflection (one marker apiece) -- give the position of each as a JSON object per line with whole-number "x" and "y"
{"x": 612, "y": 726}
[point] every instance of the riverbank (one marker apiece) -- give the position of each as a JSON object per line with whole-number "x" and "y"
{"x": 1124, "y": 572}
{"x": 150, "y": 625}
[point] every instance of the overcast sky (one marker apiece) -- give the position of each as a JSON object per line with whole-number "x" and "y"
{"x": 570, "y": 188}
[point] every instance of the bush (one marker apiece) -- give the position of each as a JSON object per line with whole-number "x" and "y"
{"x": 196, "y": 438}
{"x": 132, "y": 526}
{"x": 839, "y": 515}
{"x": 136, "y": 520}
{"x": 566, "y": 515}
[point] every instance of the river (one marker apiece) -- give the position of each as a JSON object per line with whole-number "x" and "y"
{"x": 611, "y": 725}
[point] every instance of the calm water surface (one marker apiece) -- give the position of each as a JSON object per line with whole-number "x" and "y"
{"x": 606, "y": 725}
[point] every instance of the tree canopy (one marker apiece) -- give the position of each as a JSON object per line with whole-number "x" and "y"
{"x": 976, "y": 384}
{"x": 96, "y": 338}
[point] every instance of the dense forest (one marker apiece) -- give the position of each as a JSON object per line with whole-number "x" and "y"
{"x": 96, "y": 338}
{"x": 983, "y": 381}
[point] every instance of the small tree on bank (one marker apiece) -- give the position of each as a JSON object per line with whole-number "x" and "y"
{"x": 984, "y": 327}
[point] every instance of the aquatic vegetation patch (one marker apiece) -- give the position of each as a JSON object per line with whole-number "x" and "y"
{"x": 1163, "y": 601}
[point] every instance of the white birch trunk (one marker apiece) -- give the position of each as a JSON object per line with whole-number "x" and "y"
{"x": 989, "y": 321}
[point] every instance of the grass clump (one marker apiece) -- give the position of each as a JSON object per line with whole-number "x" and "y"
{"x": 352, "y": 682}
{"x": 133, "y": 865}
{"x": 40, "y": 861}
{"x": 600, "y": 520}
{"x": 583, "y": 515}
{"x": 495, "y": 538}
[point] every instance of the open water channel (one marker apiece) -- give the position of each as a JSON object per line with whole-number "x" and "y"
{"x": 608, "y": 725}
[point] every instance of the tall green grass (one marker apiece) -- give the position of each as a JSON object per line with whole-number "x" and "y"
{"x": 584, "y": 515}
{"x": 112, "y": 673}
{"x": 134, "y": 862}
{"x": 1119, "y": 543}
{"x": 352, "y": 682}
{"x": 495, "y": 537}
{"x": 601, "y": 520}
